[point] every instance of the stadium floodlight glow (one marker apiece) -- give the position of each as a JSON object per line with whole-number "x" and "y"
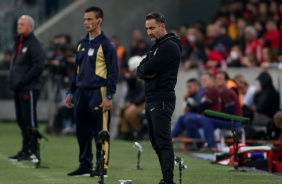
{"x": 139, "y": 148}
{"x": 180, "y": 161}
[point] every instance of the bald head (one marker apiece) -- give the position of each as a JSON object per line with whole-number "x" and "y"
{"x": 25, "y": 25}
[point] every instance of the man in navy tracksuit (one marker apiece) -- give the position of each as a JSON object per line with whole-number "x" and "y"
{"x": 159, "y": 70}
{"x": 94, "y": 83}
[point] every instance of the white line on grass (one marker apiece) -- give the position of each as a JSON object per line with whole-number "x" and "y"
{"x": 40, "y": 175}
{"x": 18, "y": 164}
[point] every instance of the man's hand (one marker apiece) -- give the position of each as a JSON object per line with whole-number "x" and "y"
{"x": 151, "y": 76}
{"x": 68, "y": 102}
{"x": 130, "y": 109}
{"x": 106, "y": 104}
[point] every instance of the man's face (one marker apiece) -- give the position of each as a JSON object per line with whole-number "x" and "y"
{"x": 192, "y": 88}
{"x": 249, "y": 36}
{"x": 220, "y": 81}
{"x": 24, "y": 27}
{"x": 154, "y": 30}
{"x": 91, "y": 22}
{"x": 206, "y": 81}
{"x": 240, "y": 82}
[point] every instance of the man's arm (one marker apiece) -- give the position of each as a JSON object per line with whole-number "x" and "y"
{"x": 164, "y": 54}
{"x": 112, "y": 68}
{"x": 37, "y": 58}
{"x": 140, "y": 73}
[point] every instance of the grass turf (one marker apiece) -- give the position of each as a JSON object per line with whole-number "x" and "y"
{"x": 61, "y": 155}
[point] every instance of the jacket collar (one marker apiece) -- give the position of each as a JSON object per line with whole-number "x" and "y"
{"x": 27, "y": 37}
{"x": 97, "y": 39}
{"x": 165, "y": 37}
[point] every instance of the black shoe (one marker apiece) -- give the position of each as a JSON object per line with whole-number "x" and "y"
{"x": 80, "y": 172}
{"x": 15, "y": 157}
{"x": 163, "y": 182}
{"x": 25, "y": 157}
{"x": 96, "y": 173}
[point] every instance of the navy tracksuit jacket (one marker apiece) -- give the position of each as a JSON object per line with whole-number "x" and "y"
{"x": 95, "y": 76}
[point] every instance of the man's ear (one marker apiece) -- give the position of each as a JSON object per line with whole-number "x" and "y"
{"x": 163, "y": 25}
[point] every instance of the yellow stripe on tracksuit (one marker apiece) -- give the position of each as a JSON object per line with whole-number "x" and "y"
{"x": 105, "y": 147}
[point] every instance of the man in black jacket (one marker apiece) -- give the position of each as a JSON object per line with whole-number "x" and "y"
{"x": 159, "y": 70}
{"x": 25, "y": 71}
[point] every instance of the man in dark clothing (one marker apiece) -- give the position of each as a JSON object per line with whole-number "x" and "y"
{"x": 25, "y": 71}
{"x": 93, "y": 86}
{"x": 159, "y": 70}
{"x": 192, "y": 97}
{"x": 267, "y": 103}
{"x": 266, "y": 100}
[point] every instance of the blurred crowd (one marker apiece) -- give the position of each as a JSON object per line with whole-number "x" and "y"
{"x": 243, "y": 33}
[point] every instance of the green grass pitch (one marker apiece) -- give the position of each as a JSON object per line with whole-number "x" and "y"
{"x": 61, "y": 155}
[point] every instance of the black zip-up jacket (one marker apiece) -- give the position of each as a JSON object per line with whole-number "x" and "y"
{"x": 26, "y": 69}
{"x": 159, "y": 69}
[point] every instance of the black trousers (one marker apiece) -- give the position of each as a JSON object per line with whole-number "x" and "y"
{"x": 25, "y": 103}
{"x": 159, "y": 120}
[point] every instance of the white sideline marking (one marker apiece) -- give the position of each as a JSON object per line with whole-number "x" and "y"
{"x": 18, "y": 164}
{"x": 40, "y": 175}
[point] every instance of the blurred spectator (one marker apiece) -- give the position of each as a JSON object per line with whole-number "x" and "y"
{"x": 64, "y": 117}
{"x": 122, "y": 64}
{"x": 230, "y": 101}
{"x": 263, "y": 12}
{"x": 260, "y": 29}
{"x": 183, "y": 35}
{"x": 267, "y": 100}
{"x": 215, "y": 60}
{"x": 277, "y": 151}
{"x": 249, "y": 93}
{"x": 193, "y": 120}
{"x": 130, "y": 121}
{"x": 192, "y": 97}
{"x": 241, "y": 25}
{"x": 253, "y": 45}
{"x": 273, "y": 7}
{"x": 272, "y": 34}
{"x": 139, "y": 46}
{"x": 232, "y": 84}
{"x": 195, "y": 48}
{"x": 211, "y": 34}
{"x": 223, "y": 41}
{"x": 235, "y": 57}
{"x": 187, "y": 37}
{"x": 5, "y": 64}
{"x": 62, "y": 39}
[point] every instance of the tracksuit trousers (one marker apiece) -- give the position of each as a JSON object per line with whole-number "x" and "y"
{"x": 159, "y": 122}
{"x": 25, "y": 104}
{"x": 90, "y": 120}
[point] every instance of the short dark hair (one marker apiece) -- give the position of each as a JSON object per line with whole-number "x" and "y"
{"x": 160, "y": 18}
{"x": 226, "y": 76}
{"x": 98, "y": 11}
{"x": 194, "y": 81}
{"x": 208, "y": 74}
